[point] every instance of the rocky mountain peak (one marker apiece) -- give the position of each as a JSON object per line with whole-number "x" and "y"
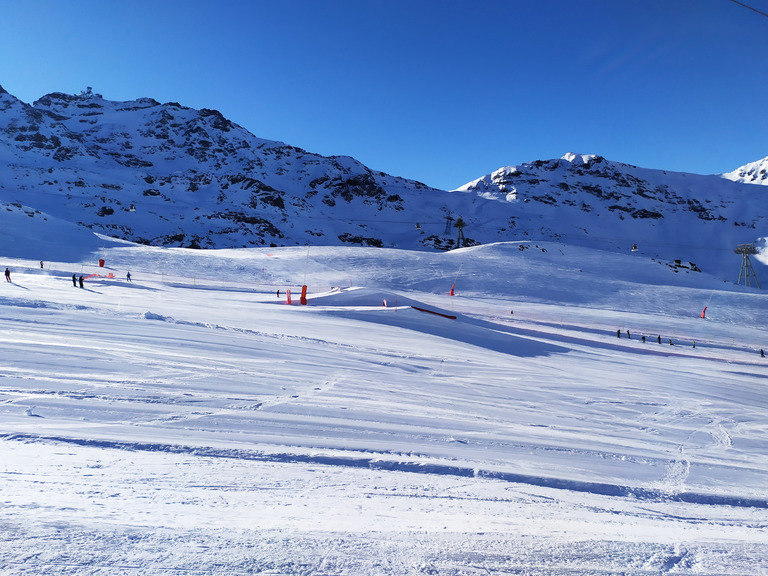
{"x": 752, "y": 173}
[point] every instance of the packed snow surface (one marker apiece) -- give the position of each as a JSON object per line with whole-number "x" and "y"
{"x": 192, "y": 421}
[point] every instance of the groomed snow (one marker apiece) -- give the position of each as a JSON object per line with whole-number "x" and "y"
{"x": 191, "y": 421}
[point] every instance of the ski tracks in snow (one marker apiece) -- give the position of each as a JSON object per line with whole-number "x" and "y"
{"x": 706, "y": 436}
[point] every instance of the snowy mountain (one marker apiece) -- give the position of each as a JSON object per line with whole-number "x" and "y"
{"x": 165, "y": 174}
{"x": 590, "y": 201}
{"x": 752, "y": 173}
{"x": 170, "y": 175}
{"x": 567, "y": 409}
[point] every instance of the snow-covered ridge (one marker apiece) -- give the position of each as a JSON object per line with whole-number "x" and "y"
{"x": 172, "y": 175}
{"x": 166, "y": 174}
{"x": 752, "y": 173}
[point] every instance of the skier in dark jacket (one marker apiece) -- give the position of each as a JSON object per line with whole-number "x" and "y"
{"x": 80, "y": 280}
{"x": 74, "y": 280}
{"x": 7, "y": 275}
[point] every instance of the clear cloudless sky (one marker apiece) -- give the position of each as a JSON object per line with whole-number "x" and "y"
{"x": 441, "y": 91}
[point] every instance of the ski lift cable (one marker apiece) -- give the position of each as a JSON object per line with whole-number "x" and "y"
{"x": 750, "y": 8}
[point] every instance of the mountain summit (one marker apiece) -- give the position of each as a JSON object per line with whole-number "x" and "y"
{"x": 752, "y": 173}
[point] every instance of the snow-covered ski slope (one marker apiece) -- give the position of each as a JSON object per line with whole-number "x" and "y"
{"x": 192, "y": 422}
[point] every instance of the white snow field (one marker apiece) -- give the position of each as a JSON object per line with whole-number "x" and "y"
{"x": 192, "y": 422}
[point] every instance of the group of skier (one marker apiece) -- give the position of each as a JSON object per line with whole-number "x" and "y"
{"x": 643, "y": 339}
{"x": 76, "y": 281}
{"x": 658, "y": 339}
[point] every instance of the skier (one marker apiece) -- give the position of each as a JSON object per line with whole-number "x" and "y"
{"x": 41, "y": 263}
{"x": 618, "y": 333}
{"x": 762, "y": 354}
{"x": 278, "y": 292}
{"x": 7, "y": 275}
{"x": 658, "y": 339}
{"x": 628, "y": 335}
{"x": 80, "y": 280}
{"x": 128, "y": 276}
{"x": 74, "y": 280}
{"x": 643, "y": 339}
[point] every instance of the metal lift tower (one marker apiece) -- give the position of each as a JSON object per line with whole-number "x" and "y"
{"x": 460, "y": 237}
{"x": 747, "y": 271}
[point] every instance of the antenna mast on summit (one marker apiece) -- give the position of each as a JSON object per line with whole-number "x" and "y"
{"x": 747, "y": 271}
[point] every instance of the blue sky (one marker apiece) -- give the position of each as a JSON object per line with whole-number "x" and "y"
{"x": 438, "y": 91}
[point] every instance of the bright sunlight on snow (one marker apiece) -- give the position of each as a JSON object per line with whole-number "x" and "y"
{"x": 564, "y": 411}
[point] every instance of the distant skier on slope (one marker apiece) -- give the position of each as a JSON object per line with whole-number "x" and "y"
{"x": 7, "y": 275}
{"x": 128, "y": 277}
{"x": 74, "y": 280}
{"x": 80, "y": 281}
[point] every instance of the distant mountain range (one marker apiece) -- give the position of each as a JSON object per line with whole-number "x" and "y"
{"x": 166, "y": 174}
